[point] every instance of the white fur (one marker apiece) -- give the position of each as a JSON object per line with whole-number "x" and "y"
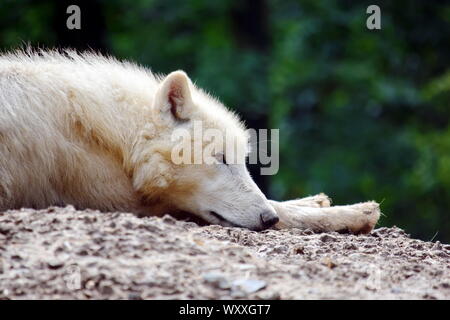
{"x": 95, "y": 132}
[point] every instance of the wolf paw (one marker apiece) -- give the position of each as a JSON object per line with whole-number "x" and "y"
{"x": 367, "y": 215}
{"x": 317, "y": 201}
{"x": 323, "y": 200}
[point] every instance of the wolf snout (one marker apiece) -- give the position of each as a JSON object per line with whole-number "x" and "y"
{"x": 269, "y": 218}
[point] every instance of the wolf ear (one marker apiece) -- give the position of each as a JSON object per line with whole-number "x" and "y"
{"x": 173, "y": 99}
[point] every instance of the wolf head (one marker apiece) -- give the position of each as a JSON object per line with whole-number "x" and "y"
{"x": 194, "y": 158}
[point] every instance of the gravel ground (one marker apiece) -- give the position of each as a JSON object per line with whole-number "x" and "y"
{"x": 67, "y": 254}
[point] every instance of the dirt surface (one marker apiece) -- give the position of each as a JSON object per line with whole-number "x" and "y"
{"x": 63, "y": 253}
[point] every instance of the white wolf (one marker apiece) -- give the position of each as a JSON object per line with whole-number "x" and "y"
{"x": 94, "y": 132}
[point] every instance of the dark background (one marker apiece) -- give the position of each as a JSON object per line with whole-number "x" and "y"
{"x": 362, "y": 114}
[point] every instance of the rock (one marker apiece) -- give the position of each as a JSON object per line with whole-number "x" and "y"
{"x": 299, "y": 250}
{"x": 134, "y": 296}
{"x": 248, "y": 285}
{"x": 269, "y": 296}
{"x": 16, "y": 257}
{"x": 169, "y": 220}
{"x": 106, "y": 289}
{"x": 329, "y": 263}
{"x": 327, "y": 238}
{"x": 437, "y": 246}
{"x": 128, "y": 225}
{"x": 396, "y": 290}
{"x": 246, "y": 266}
{"x": 55, "y": 264}
{"x": 217, "y": 279}
{"x": 5, "y": 229}
{"x": 350, "y": 246}
{"x": 307, "y": 232}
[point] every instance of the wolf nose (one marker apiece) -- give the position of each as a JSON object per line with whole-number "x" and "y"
{"x": 269, "y": 218}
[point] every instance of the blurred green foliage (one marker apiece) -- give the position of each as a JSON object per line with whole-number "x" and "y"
{"x": 362, "y": 114}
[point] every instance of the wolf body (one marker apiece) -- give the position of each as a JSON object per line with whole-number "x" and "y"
{"x": 95, "y": 132}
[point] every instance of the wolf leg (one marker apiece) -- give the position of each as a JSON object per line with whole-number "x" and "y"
{"x": 317, "y": 201}
{"x": 356, "y": 218}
